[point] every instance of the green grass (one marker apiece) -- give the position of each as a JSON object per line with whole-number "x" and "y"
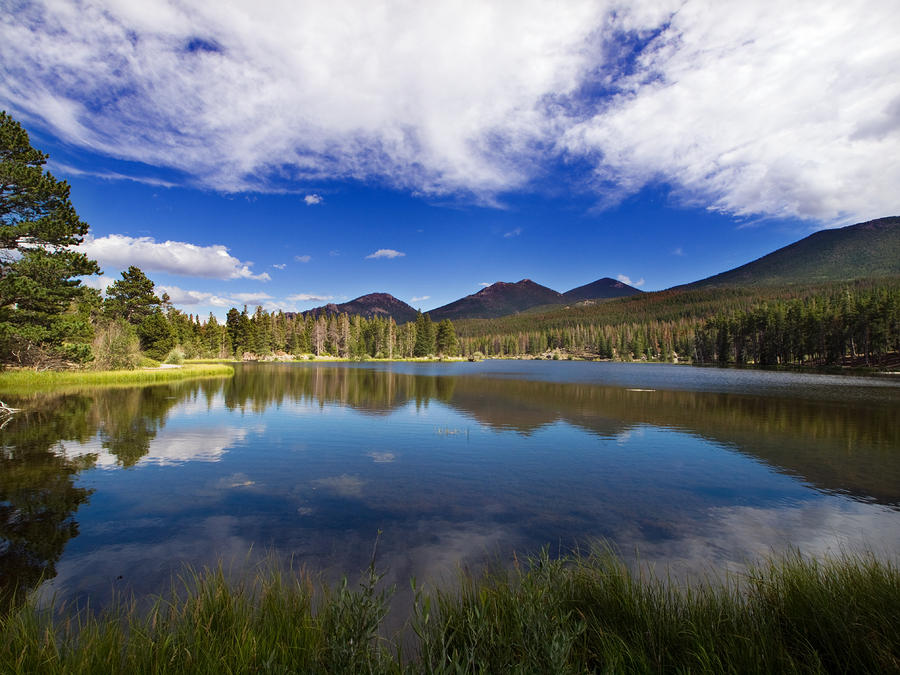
{"x": 579, "y": 614}
{"x": 23, "y": 382}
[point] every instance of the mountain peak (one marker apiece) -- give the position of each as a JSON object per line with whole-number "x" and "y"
{"x": 371, "y": 305}
{"x": 602, "y": 288}
{"x": 498, "y": 299}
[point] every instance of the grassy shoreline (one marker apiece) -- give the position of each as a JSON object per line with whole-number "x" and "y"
{"x": 578, "y": 614}
{"x": 23, "y": 382}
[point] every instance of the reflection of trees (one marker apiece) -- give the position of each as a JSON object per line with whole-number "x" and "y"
{"x": 131, "y": 418}
{"x": 840, "y": 447}
{"x": 364, "y": 389}
{"x": 836, "y": 446}
{"x": 38, "y": 496}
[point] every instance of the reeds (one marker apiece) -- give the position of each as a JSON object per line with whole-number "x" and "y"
{"x": 577, "y": 614}
{"x": 24, "y": 382}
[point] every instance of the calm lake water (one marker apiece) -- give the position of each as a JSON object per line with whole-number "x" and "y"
{"x": 455, "y": 464}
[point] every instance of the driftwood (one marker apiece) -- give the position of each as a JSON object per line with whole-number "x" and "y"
{"x": 6, "y": 413}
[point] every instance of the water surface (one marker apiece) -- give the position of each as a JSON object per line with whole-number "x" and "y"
{"x": 455, "y": 464}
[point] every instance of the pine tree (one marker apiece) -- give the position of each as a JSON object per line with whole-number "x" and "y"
{"x": 38, "y": 288}
{"x": 132, "y": 297}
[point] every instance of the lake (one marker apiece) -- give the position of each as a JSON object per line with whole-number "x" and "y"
{"x": 454, "y": 464}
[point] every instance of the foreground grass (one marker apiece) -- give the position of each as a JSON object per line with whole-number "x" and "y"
{"x": 579, "y": 614}
{"x": 23, "y": 382}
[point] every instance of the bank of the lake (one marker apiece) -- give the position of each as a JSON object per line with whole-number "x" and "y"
{"x": 27, "y": 381}
{"x": 577, "y": 614}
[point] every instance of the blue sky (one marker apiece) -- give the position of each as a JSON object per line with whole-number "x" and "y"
{"x": 290, "y": 154}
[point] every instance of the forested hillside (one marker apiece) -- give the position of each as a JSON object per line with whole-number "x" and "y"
{"x": 820, "y": 323}
{"x": 862, "y": 251}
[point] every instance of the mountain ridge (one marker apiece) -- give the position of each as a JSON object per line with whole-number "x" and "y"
{"x": 864, "y": 250}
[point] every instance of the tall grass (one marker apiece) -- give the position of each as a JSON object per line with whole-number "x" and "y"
{"x": 577, "y": 614}
{"x": 23, "y": 382}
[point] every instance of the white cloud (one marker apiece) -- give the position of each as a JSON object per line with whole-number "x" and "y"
{"x": 101, "y": 283}
{"x": 177, "y": 257}
{"x": 279, "y": 266}
{"x": 385, "y": 253}
{"x": 420, "y": 297}
{"x": 303, "y": 258}
{"x": 182, "y": 297}
{"x": 766, "y": 107}
{"x": 309, "y": 297}
{"x": 627, "y": 280}
{"x": 251, "y": 297}
{"x": 780, "y": 109}
{"x": 68, "y": 170}
{"x": 484, "y": 283}
{"x": 312, "y": 200}
{"x": 515, "y": 232}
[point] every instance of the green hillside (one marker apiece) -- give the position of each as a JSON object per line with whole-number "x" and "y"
{"x": 866, "y": 250}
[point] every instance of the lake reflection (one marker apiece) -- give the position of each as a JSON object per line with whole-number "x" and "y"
{"x": 697, "y": 469}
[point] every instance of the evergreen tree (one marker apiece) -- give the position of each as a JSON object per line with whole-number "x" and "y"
{"x": 446, "y": 339}
{"x": 38, "y": 288}
{"x": 425, "y": 335}
{"x": 132, "y": 297}
{"x": 157, "y": 337}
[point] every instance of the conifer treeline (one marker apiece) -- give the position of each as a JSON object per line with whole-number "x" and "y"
{"x": 822, "y": 330}
{"x": 820, "y": 325}
{"x": 262, "y": 333}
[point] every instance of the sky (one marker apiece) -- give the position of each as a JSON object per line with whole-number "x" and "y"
{"x": 289, "y": 154}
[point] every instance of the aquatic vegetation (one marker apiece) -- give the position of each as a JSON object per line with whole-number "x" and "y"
{"x": 23, "y": 382}
{"x": 587, "y": 613}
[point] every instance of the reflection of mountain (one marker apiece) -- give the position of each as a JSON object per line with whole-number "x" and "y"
{"x": 836, "y": 447}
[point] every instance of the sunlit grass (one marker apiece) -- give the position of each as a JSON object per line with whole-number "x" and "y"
{"x": 578, "y": 614}
{"x": 23, "y": 382}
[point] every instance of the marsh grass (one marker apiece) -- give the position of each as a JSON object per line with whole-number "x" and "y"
{"x": 577, "y": 614}
{"x": 24, "y": 382}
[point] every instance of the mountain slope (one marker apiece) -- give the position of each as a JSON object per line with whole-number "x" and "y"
{"x": 602, "y": 288}
{"x": 864, "y": 250}
{"x": 498, "y": 299}
{"x": 374, "y": 304}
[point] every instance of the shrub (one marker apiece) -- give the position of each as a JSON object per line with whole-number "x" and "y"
{"x": 116, "y": 346}
{"x": 176, "y": 356}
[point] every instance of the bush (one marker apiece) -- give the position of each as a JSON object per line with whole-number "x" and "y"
{"x": 116, "y": 347}
{"x": 176, "y": 356}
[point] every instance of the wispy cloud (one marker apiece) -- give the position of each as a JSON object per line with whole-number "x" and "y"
{"x": 62, "y": 170}
{"x": 303, "y": 258}
{"x": 279, "y": 266}
{"x": 721, "y": 102}
{"x": 678, "y": 251}
{"x": 312, "y": 200}
{"x": 515, "y": 232}
{"x": 627, "y": 280}
{"x": 309, "y": 297}
{"x": 386, "y": 253}
{"x": 484, "y": 283}
{"x": 419, "y": 298}
{"x": 176, "y": 257}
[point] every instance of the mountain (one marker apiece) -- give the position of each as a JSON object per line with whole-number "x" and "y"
{"x": 602, "y": 288}
{"x": 498, "y": 299}
{"x": 371, "y": 305}
{"x": 864, "y": 250}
